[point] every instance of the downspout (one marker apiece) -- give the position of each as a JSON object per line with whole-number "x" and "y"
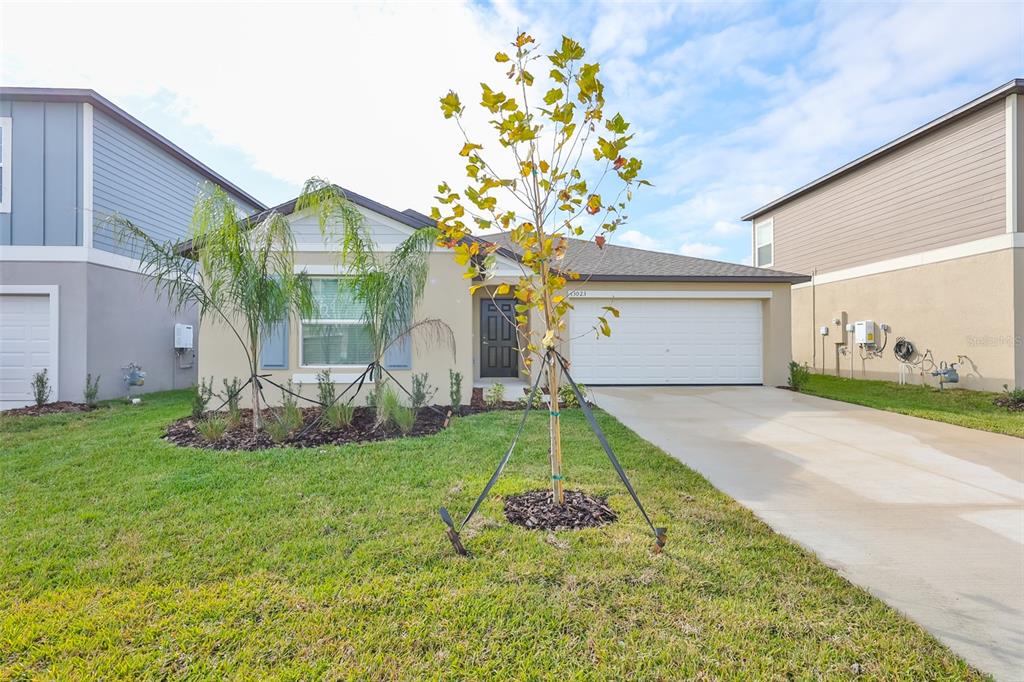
{"x": 814, "y": 316}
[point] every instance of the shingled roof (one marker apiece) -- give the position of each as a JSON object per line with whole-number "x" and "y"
{"x": 615, "y": 263}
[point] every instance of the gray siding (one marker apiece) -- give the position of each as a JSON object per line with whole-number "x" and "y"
{"x": 136, "y": 179}
{"x": 46, "y": 171}
{"x": 946, "y": 188}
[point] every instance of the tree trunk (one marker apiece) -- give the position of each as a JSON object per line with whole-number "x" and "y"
{"x": 554, "y": 423}
{"x": 557, "y": 490}
{"x": 257, "y": 418}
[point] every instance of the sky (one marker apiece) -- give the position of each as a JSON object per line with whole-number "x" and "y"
{"x": 733, "y": 104}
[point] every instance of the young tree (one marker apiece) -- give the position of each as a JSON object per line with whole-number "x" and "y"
{"x": 237, "y": 271}
{"x": 549, "y": 193}
{"x": 388, "y": 285}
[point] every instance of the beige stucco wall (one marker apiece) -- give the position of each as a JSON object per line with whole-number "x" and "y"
{"x": 446, "y": 298}
{"x": 969, "y": 306}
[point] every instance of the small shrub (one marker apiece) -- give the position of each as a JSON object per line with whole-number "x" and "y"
{"x": 538, "y": 401}
{"x": 495, "y": 394}
{"x": 454, "y": 388}
{"x": 277, "y": 429}
{"x": 325, "y": 388}
{"x": 422, "y": 392}
{"x": 92, "y": 389}
{"x": 41, "y": 387}
{"x": 1011, "y": 399}
{"x": 404, "y": 418}
{"x": 201, "y": 395}
{"x": 339, "y": 415}
{"x": 567, "y": 397}
{"x": 212, "y": 428}
{"x": 385, "y": 404}
{"x": 799, "y": 375}
{"x": 231, "y": 396}
{"x": 290, "y": 414}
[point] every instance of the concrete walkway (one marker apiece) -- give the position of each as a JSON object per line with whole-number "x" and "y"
{"x": 927, "y": 516}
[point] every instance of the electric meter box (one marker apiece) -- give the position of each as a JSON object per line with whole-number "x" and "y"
{"x": 183, "y": 336}
{"x": 865, "y": 333}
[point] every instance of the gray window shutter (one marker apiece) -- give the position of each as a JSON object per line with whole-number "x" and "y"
{"x": 274, "y": 347}
{"x": 399, "y": 355}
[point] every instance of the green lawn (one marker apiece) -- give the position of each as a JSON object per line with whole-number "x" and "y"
{"x": 973, "y": 409}
{"x": 123, "y": 556}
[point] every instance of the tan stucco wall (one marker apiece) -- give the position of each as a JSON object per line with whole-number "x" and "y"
{"x": 958, "y": 307}
{"x": 446, "y": 298}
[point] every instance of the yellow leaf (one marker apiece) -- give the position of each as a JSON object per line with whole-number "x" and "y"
{"x": 501, "y": 57}
{"x": 502, "y": 290}
{"x": 468, "y": 148}
{"x": 472, "y": 289}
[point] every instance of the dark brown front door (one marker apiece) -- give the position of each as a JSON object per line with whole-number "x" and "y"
{"x": 498, "y": 355}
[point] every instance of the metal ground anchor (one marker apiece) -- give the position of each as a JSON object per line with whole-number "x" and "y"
{"x": 661, "y": 537}
{"x": 453, "y": 535}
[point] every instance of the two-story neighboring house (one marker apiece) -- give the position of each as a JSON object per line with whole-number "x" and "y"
{"x": 924, "y": 237}
{"x": 72, "y": 300}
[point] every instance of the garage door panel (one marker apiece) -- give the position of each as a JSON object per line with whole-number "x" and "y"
{"x": 670, "y": 341}
{"x": 25, "y": 345}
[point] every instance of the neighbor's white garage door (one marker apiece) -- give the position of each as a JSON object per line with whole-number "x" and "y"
{"x": 25, "y": 346}
{"x": 669, "y": 341}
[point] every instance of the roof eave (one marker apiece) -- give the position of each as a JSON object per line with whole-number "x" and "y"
{"x": 1015, "y": 86}
{"x": 738, "y": 279}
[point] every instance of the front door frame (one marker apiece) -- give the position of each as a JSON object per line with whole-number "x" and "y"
{"x": 485, "y": 371}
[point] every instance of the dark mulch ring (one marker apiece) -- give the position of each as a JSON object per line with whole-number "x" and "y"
{"x": 536, "y": 510}
{"x": 362, "y": 429}
{"x": 48, "y": 408}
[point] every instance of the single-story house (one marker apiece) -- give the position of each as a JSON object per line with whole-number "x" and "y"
{"x": 924, "y": 235}
{"x": 685, "y": 321}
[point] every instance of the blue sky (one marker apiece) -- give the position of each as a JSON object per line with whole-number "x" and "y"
{"x": 733, "y": 103}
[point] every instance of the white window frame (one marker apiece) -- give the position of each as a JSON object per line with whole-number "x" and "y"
{"x": 303, "y": 322}
{"x": 770, "y": 225}
{"x": 6, "y": 127}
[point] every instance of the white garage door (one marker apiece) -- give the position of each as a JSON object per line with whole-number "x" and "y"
{"x": 25, "y": 346}
{"x": 669, "y": 341}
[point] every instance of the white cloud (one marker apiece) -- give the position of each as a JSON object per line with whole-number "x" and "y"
{"x": 637, "y": 239}
{"x": 701, "y": 250}
{"x": 345, "y": 91}
{"x": 725, "y": 228}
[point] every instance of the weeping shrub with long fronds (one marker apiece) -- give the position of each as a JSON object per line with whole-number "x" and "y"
{"x": 236, "y": 270}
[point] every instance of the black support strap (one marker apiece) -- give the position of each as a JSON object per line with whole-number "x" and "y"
{"x": 659, "y": 533}
{"x": 453, "y": 534}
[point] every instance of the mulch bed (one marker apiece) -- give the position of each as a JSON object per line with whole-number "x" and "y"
{"x": 362, "y": 429}
{"x": 48, "y": 408}
{"x": 535, "y": 510}
{"x": 1008, "y": 403}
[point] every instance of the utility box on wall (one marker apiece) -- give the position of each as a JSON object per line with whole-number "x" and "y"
{"x": 182, "y": 336}
{"x": 865, "y": 333}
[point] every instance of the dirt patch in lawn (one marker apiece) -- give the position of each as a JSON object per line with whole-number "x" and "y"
{"x": 536, "y": 510}
{"x": 48, "y": 408}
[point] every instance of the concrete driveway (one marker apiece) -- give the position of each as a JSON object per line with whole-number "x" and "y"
{"x": 927, "y": 516}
